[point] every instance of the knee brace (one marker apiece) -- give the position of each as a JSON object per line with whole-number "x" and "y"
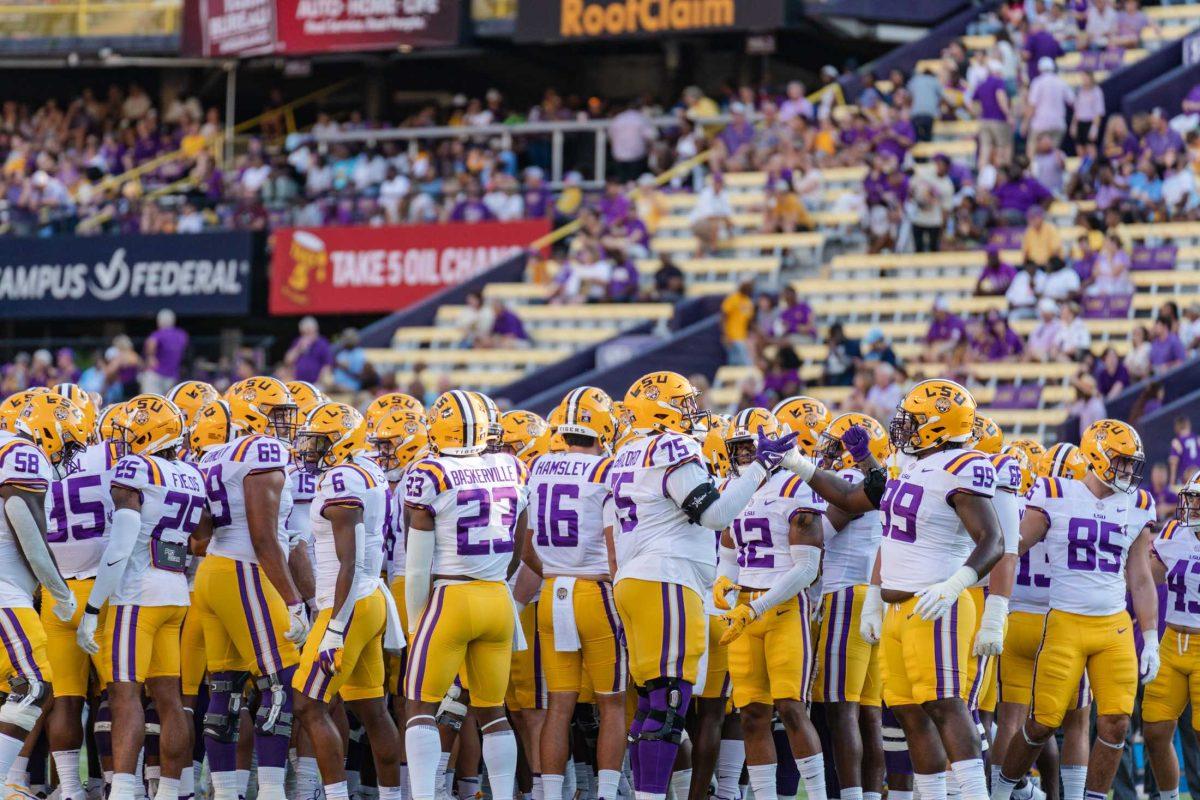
{"x": 1040, "y": 742}
{"x": 274, "y": 717}
{"x": 639, "y": 715}
{"x": 451, "y": 711}
{"x": 225, "y": 689}
{"x": 23, "y": 706}
{"x": 668, "y": 705}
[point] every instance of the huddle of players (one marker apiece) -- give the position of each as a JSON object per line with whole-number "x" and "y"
{"x": 536, "y": 567}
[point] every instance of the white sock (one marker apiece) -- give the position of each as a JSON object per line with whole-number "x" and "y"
{"x": 895, "y": 794}
{"x": 1074, "y": 778}
{"x": 930, "y": 787}
{"x": 681, "y": 783}
{"x": 891, "y": 795}
{"x": 552, "y": 786}
{"x": 762, "y": 780}
{"x": 444, "y": 774}
{"x": 405, "y": 789}
{"x": 168, "y": 788}
{"x": 224, "y": 785}
{"x": 124, "y": 786}
{"x": 243, "y": 782}
{"x": 424, "y": 749}
{"x": 972, "y": 780}
{"x": 187, "y": 783}
{"x": 390, "y": 793}
{"x": 608, "y": 783}
{"x": 337, "y": 791}
{"x": 467, "y": 787}
{"x": 500, "y": 757}
{"x": 1002, "y": 787}
{"x": 729, "y": 768}
{"x": 1173, "y": 794}
{"x": 852, "y": 793}
{"x": 537, "y": 789}
{"x": 67, "y": 764}
{"x": 648, "y": 795}
{"x": 308, "y": 778}
{"x": 271, "y": 782}
{"x": 812, "y": 774}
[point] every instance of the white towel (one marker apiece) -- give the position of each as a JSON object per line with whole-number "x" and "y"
{"x": 519, "y": 642}
{"x": 566, "y": 632}
{"x": 393, "y": 634}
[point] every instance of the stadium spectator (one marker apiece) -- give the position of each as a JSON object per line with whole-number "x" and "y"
{"x": 996, "y": 276}
{"x": 991, "y": 106}
{"x": 1165, "y": 498}
{"x": 1061, "y": 282}
{"x": 1073, "y": 340}
{"x": 931, "y": 202}
{"x": 1100, "y": 27}
{"x": 1137, "y": 360}
{"x": 1112, "y": 377}
{"x": 1050, "y": 99}
{"x": 163, "y": 351}
{"x": 877, "y": 347}
{"x": 946, "y": 330}
{"x": 310, "y": 354}
{"x": 1184, "y": 457}
{"x": 669, "y": 284}
{"x": 1088, "y": 404}
{"x": 885, "y": 393}
{"x": 842, "y": 357}
{"x": 351, "y": 371}
{"x": 1166, "y": 350}
{"x": 925, "y": 90}
{"x": 1189, "y": 327}
{"x": 1132, "y": 23}
{"x": 123, "y": 365}
{"x": 1000, "y": 342}
{"x": 476, "y": 321}
{"x": 1088, "y": 117}
{"x": 711, "y": 218}
{"x": 630, "y": 135}
{"x": 737, "y": 314}
{"x": 795, "y": 103}
{"x": 1043, "y": 339}
{"x": 1111, "y": 270}
{"x": 795, "y": 317}
{"x": 65, "y": 369}
{"x": 507, "y": 328}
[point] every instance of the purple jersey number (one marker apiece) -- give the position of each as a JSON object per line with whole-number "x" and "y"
{"x": 751, "y": 534}
{"x": 626, "y": 508}
{"x": 899, "y": 505}
{"x": 218, "y": 496}
{"x": 1177, "y": 586}
{"x": 74, "y": 516}
{"x": 558, "y": 524}
{"x": 185, "y": 519}
{"x": 1028, "y": 576}
{"x": 482, "y": 518}
{"x": 1090, "y": 546}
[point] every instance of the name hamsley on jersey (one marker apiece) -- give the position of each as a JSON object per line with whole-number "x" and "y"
{"x": 354, "y": 485}
{"x": 923, "y": 539}
{"x": 654, "y": 540}
{"x": 25, "y": 467}
{"x": 760, "y": 531}
{"x": 475, "y": 501}
{"x": 1178, "y": 549}
{"x": 79, "y": 509}
{"x": 225, "y": 470}
{"x": 173, "y": 501}
{"x": 566, "y": 512}
{"x": 1087, "y": 544}
{"x": 850, "y": 552}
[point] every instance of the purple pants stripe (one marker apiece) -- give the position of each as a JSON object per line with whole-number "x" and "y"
{"x": 831, "y": 654}
{"x": 682, "y": 636}
{"x": 16, "y": 643}
{"x": 244, "y": 591}
{"x": 808, "y": 654}
{"x": 420, "y": 649}
{"x": 606, "y": 594}
{"x": 271, "y": 644}
{"x": 665, "y": 650}
{"x": 939, "y": 659}
{"x": 957, "y": 687}
{"x": 844, "y": 642}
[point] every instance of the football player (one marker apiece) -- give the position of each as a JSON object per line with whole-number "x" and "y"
{"x": 769, "y": 556}
{"x": 1097, "y": 542}
{"x": 578, "y": 629}
{"x": 256, "y": 628}
{"x": 464, "y": 511}
{"x": 666, "y": 509}
{"x": 847, "y": 673}
{"x": 43, "y": 440}
{"x": 190, "y": 397}
{"x": 159, "y": 502}
{"x": 343, "y": 656}
{"x": 76, "y": 395}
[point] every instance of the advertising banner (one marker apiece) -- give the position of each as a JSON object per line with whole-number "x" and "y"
{"x": 560, "y": 21}
{"x": 102, "y": 277}
{"x": 377, "y": 270}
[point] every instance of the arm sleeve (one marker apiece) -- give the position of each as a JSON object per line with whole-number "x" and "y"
{"x": 722, "y": 507}
{"x": 1009, "y": 515}
{"x": 33, "y": 545}
{"x": 418, "y": 568}
{"x": 806, "y": 561}
{"x": 126, "y": 525}
{"x": 727, "y": 565}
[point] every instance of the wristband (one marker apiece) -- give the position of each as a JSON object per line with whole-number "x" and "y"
{"x": 90, "y": 609}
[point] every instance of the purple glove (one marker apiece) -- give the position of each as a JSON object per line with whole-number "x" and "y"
{"x": 770, "y": 452}
{"x": 857, "y": 442}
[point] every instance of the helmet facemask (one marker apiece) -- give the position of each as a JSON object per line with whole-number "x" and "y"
{"x": 1188, "y": 512}
{"x": 904, "y": 428}
{"x": 312, "y": 451}
{"x": 283, "y": 421}
{"x": 1124, "y": 473}
{"x": 741, "y": 453}
{"x": 829, "y": 451}
{"x": 68, "y": 457}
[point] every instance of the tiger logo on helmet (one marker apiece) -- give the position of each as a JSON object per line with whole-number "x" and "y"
{"x": 271, "y": 397}
{"x": 526, "y": 435}
{"x": 741, "y": 439}
{"x": 987, "y": 435}
{"x": 392, "y": 401}
{"x": 935, "y": 412}
{"x": 12, "y": 406}
{"x": 191, "y": 397}
{"x": 331, "y": 435}
{"x": 56, "y": 426}
{"x": 1063, "y": 460}
{"x": 458, "y": 424}
{"x": 76, "y": 394}
{"x": 807, "y": 417}
{"x": 831, "y": 453}
{"x": 1114, "y": 452}
{"x": 306, "y": 396}
{"x": 663, "y": 402}
{"x": 399, "y": 439}
{"x": 713, "y": 446}
{"x": 587, "y": 411}
{"x": 1188, "y": 510}
{"x": 149, "y": 424}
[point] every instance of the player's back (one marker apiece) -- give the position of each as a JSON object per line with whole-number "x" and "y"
{"x": 566, "y": 499}
{"x": 923, "y": 539}
{"x": 173, "y": 500}
{"x": 653, "y": 537}
{"x": 79, "y": 509}
{"x": 226, "y": 469}
{"x": 850, "y": 552}
{"x": 23, "y": 466}
{"x": 475, "y": 501}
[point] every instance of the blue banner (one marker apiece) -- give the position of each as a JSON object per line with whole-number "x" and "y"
{"x": 102, "y": 277}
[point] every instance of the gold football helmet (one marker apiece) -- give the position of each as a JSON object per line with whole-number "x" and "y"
{"x": 933, "y": 413}
{"x": 832, "y": 455}
{"x": 526, "y": 435}
{"x": 149, "y": 424}
{"x": 1024, "y": 463}
{"x": 399, "y": 439}
{"x": 272, "y": 398}
{"x": 1113, "y": 450}
{"x": 587, "y": 411}
{"x": 987, "y": 435}
{"x": 12, "y": 406}
{"x": 495, "y": 431}
{"x": 1063, "y": 460}
{"x": 331, "y": 435}
{"x": 664, "y": 401}
{"x": 56, "y": 426}
{"x": 191, "y": 396}
{"x": 1188, "y": 510}
{"x": 83, "y": 401}
{"x": 458, "y": 424}
{"x": 741, "y": 440}
{"x": 557, "y": 443}
{"x": 713, "y": 445}
{"x": 1032, "y": 447}
{"x": 306, "y": 396}
{"x": 392, "y": 401}
{"x": 807, "y": 417}
{"x": 212, "y": 427}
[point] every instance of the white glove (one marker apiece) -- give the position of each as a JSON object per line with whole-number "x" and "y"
{"x": 793, "y": 461}
{"x": 329, "y": 654}
{"x": 934, "y": 602}
{"x": 298, "y": 623}
{"x": 1148, "y": 667}
{"x": 990, "y": 639}
{"x": 870, "y": 625}
{"x": 85, "y": 634}
{"x": 65, "y": 607}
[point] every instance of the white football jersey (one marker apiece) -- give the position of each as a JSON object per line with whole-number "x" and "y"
{"x": 79, "y": 509}
{"x": 1031, "y": 587}
{"x": 924, "y": 541}
{"x": 24, "y": 466}
{"x": 301, "y": 486}
{"x": 850, "y": 552}
{"x": 653, "y": 538}
{"x": 225, "y": 468}
{"x": 358, "y": 484}
{"x": 394, "y": 552}
{"x": 566, "y": 512}
{"x": 173, "y": 501}
{"x": 475, "y": 501}
{"x": 760, "y": 531}
{"x": 1178, "y": 549}
{"x": 1087, "y": 543}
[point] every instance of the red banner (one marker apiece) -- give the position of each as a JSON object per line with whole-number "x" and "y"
{"x": 368, "y": 270}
